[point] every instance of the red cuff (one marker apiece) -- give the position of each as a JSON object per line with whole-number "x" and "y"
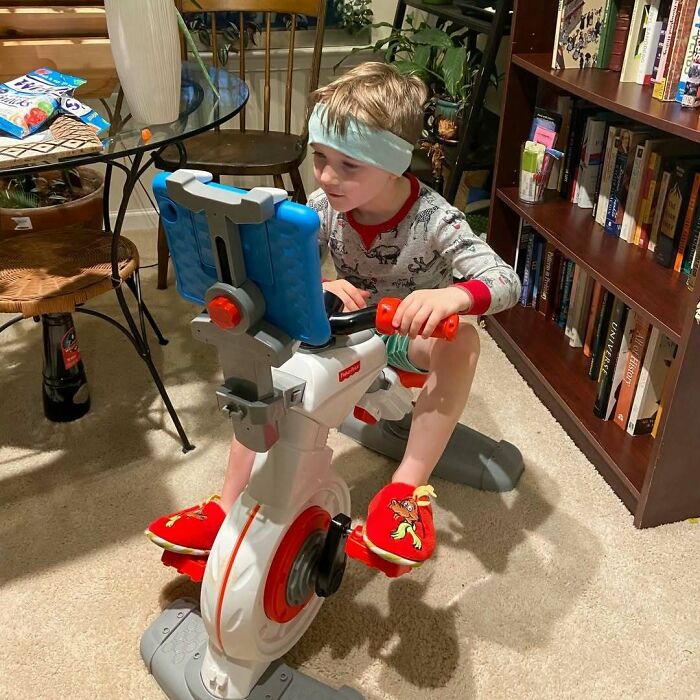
{"x": 480, "y": 294}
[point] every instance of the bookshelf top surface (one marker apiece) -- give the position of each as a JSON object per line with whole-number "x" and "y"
{"x": 603, "y": 87}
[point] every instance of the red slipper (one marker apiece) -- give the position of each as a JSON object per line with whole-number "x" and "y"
{"x": 399, "y": 525}
{"x": 189, "y": 531}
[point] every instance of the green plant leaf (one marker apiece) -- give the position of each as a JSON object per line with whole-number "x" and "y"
{"x": 422, "y": 55}
{"x": 195, "y": 51}
{"x": 452, "y": 69}
{"x": 16, "y": 199}
{"x": 432, "y": 37}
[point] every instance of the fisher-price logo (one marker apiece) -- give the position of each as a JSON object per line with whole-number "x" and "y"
{"x": 349, "y": 371}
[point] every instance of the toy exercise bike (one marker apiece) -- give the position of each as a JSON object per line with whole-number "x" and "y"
{"x": 294, "y": 367}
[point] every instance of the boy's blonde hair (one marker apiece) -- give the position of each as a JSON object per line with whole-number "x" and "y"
{"x": 377, "y": 94}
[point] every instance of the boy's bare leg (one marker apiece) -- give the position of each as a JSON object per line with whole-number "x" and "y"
{"x": 452, "y": 366}
{"x": 240, "y": 464}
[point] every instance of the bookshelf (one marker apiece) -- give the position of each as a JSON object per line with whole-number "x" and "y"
{"x": 658, "y": 479}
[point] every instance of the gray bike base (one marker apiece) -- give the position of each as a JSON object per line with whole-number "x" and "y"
{"x": 173, "y": 648}
{"x": 470, "y": 458}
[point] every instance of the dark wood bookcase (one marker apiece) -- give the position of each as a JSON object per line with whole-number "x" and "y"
{"x": 658, "y": 479}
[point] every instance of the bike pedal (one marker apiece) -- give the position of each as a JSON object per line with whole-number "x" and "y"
{"x": 357, "y": 549}
{"x": 186, "y": 564}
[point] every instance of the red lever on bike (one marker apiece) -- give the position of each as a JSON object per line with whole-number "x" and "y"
{"x": 223, "y": 312}
{"x": 386, "y": 310}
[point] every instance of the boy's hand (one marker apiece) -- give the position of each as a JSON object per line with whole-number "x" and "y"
{"x": 429, "y": 307}
{"x": 352, "y": 297}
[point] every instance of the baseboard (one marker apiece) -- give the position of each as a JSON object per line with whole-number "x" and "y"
{"x": 138, "y": 220}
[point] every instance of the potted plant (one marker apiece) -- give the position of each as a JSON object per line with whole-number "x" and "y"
{"x": 62, "y": 198}
{"x": 444, "y": 60}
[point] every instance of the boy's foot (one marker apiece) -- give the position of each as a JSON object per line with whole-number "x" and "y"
{"x": 189, "y": 531}
{"x": 399, "y": 525}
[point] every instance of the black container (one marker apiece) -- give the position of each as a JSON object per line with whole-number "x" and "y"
{"x": 65, "y": 388}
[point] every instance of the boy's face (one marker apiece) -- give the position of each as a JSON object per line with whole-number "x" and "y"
{"x": 348, "y": 183}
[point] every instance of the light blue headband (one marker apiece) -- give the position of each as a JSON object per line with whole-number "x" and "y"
{"x": 377, "y": 147}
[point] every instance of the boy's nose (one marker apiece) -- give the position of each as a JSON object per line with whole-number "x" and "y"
{"x": 328, "y": 176}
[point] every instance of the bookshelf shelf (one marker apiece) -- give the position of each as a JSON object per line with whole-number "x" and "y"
{"x": 656, "y": 478}
{"x": 563, "y": 371}
{"x": 629, "y": 272}
{"x": 603, "y": 88}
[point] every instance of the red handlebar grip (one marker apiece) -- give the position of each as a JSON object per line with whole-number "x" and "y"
{"x": 386, "y": 310}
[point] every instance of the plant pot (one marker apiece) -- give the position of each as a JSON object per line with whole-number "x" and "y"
{"x": 85, "y": 212}
{"x": 444, "y": 119}
{"x": 145, "y": 43}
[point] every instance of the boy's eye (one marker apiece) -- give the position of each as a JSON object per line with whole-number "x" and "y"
{"x": 350, "y": 166}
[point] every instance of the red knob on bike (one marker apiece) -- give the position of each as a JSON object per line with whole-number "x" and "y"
{"x": 386, "y": 310}
{"x": 223, "y": 312}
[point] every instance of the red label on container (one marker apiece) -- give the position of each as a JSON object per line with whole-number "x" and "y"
{"x": 70, "y": 349}
{"x": 349, "y": 371}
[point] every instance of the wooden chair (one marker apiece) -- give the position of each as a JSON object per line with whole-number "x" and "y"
{"x": 245, "y": 151}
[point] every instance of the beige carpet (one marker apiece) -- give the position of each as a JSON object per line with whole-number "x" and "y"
{"x": 547, "y": 592}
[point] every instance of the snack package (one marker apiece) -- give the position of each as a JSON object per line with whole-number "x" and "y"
{"x": 28, "y": 101}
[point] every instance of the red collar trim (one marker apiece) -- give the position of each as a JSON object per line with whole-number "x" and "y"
{"x": 369, "y": 232}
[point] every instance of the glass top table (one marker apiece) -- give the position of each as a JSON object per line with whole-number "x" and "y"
{"x": 200, "y": 110}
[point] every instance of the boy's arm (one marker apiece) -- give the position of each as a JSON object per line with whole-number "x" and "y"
{"x": 492, "y": 283}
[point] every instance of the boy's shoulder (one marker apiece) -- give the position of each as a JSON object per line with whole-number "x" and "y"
{"x": 435, "y": 206}
{"x": 318, "y": 201}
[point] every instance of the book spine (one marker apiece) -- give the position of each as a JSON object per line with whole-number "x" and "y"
{"x": 611, "y": 224}
{"x": 593, "y": 315}
{"x": 607, "y": 173}
{"x": 582, "y": 303}
{"x": 545, "y": 300}
{"x": 537, "y": 270}
{"x": 630, "y": 377}
{"x": 659, "y": 209}
{"x": 557, "y": 54}
{"x": 571, "y": 310}
{"x": 559, "y": 287}
{"x": 611, "y": 349}
{"x": 568, "y": 281}
{"x": 628, "y": 220}
{"x": 693, "y": 277}
{"x": 687, "y": 223}
{"x": 600, "y": 332}
{"x": 668, "y": 39}
{"x": 641, "y": 234}
{"x": 648, "y": 46}
{"x": 659, "y": 51}
{"x": 644, "y": 380}
{"x": 630, "y": 318}
{"x": 619, "y": 41}
{"x": 687, "y": 265}
{"x": 630, "y": 64}
{"x": 689, "y": 53}
{"x": 525, "y": 290}
{"x": 606, "y": 34}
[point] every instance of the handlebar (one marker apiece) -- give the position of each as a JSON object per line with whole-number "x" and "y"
{"x": 377, "y": 317}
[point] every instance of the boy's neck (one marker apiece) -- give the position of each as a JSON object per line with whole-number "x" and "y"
{"x": 385, "y": 205}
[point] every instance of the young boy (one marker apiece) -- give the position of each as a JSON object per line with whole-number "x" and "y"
{"x": 388, "y": 235}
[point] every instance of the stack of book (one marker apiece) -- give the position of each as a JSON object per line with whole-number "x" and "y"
{"x": 641, "y": 186}
{"x": 650, "y": 42}
{"x": 629, "y": 358}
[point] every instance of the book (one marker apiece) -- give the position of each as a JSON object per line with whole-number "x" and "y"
{"x": 572, "y": 297}
{"x": 692, "y": 246}
{"x": 566, "y": 293}
{"x": 621, "y": 32}
{"x": 611, "y": 348}
{"x": 591, "y": 159}
{"x": 549, "y": 277}
{"x": 657, "y": 362}
{"x": 559, "y": 288}
{"x": 660, "y": 203}
{"x": 600, "y": 334}
{"x": 652, "y": 30}
{"x": 577, "y": 38}
{"x": 537, "y": 266}
{"x": 695, "y": 265}
{"x": 593, "y": 316}
{"x": 635, "y": 42}
{"x": 606, "y": 172}
{"x": 581, "y": 112}
{"x": 524, "y": 232}
{"x": 527, "y": 271}
{"x": 565, "y": 105}
{"x": 620, "y": 362}
{"x": 672, "y": 219}
{"x": 687, "y": 222}
{"x": 578, "y": 309}
{"x": 659, "y": 49}
{"x": 630, "y": 376}
{"x": 607, "y": 32}
{"x": 669, "y": 37}
{"x": 65, "y": 137}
